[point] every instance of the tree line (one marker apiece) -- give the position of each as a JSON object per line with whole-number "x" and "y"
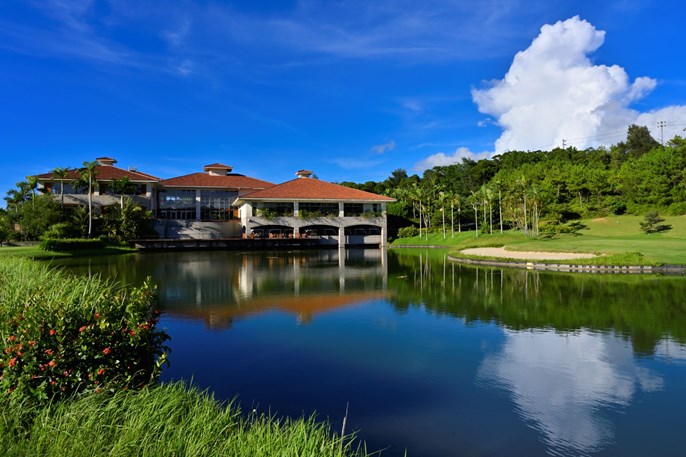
{"x": 541, "y": 192}
{"x": 33, "y": 213}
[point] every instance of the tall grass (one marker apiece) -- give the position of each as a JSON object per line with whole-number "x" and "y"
{"x": 166, "y": 420}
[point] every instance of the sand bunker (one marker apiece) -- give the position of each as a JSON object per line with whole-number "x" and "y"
{"x": 525, "y": 255}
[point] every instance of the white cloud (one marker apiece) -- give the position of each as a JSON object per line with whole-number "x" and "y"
{"x": 382, "y": 148}
{"x": 443, "y": 159}
{"x": 561, "y": 383}
{"x": 553, "y": 92}
{"x": 674, "y": 118}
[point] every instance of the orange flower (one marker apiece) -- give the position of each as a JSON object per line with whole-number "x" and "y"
{"x": 82, "y": 329}
{"x": 13, "y": 361}
{"x": 101, "y": 371}
{"x": 106, "y": 351}
{"x": 52, "y": 332}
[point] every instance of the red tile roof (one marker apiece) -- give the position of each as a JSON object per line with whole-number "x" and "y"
{"x": 104, "y": 173}
{"x": 219, "y": 182}
{"x": 313, "y": 189}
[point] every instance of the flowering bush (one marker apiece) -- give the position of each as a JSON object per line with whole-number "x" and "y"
{"x": 62, "y": 334}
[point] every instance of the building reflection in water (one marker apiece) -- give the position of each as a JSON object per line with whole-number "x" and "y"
{"x": 562, "y": 384}
{"x": 222, "y": 288}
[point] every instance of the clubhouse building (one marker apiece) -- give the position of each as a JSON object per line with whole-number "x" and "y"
{"x": 219, "y": 204}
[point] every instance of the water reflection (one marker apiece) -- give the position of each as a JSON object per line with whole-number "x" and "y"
{"x": 432, "y": 356}
{"x": 221, "y": 286}
{"x": 564, "y": 384}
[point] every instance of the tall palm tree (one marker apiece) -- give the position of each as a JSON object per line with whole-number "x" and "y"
{"x": 61, "y": 174}
{"x": 32, "y": 185}
{"x": 89, "y": 172}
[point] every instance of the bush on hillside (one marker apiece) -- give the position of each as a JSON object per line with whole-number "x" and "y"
{"x": 71, "y": 244}
{"x": 652, "y": 223}
{"x": 408, "y": 232}
{"x": 61, "y": 334}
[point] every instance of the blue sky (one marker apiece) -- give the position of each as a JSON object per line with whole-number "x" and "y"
{"x": 351, "y": 90}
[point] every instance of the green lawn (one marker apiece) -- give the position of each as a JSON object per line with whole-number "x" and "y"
{"x": 36, "y": 253}
{"x": 615, "y": 236}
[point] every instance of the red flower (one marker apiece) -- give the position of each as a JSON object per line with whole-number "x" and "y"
{"x": 106, "y": 351}
{"x": 132, "y": 333}
{"x": 48, "y": 351}
{"x": 12, "y": 338}
{"x": 13, "y": 361}
{"x": 97, "y": 315}
{"x": 52, "y": 363}
{"x": 82, "y": 329}
{"x": 52, "y": 332}
{"x": 101, "y": 371}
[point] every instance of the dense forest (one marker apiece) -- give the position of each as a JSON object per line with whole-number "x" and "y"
{"x": 542, "y": 192}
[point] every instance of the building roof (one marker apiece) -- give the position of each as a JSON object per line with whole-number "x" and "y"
{"x": 218, "y": 166}
{"x": 230, "y": 181}
{"x": 301, "y": 189}
{"x": 104, "y": 173}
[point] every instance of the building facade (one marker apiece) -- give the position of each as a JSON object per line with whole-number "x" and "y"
{"x": 308, "y": 207}
{"x": 218, "y": 203}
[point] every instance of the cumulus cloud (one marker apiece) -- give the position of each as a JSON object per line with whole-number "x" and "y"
{"x": 382, "y": 148}
{"x": 553, "y": 92}
{"x": 561, "y": 383}
{"x": 443, "y": 159}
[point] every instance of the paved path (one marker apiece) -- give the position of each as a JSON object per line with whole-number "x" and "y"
{"x": 525, "y": 255}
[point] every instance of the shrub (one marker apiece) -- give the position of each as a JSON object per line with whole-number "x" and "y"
{"x": 71, "y": 244}
{"x": 407, "y": 232}
{"x": 60, "y": 230}
{"x": 652, "y": 223}
{"x": 677, "y": 209}
{"x": 62, "y": 334}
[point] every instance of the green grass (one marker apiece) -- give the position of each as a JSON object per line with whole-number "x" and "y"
{"x": 167, "y": 420}
{"x": 36, "y": 253}
{"x": 618, "y": 238}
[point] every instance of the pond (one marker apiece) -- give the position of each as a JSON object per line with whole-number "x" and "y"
{"x": 428, "y": 356}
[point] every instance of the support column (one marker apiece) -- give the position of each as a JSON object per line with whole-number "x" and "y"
{"x": 341, "y": 237}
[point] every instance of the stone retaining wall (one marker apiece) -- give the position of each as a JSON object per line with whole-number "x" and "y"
{"x": 612, "y": 269}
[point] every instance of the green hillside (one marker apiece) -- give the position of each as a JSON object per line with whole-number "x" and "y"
{"x": 613, "y": 235}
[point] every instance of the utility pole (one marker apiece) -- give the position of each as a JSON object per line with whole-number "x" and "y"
{"x": 662, "y": 125}
{"x": 564, "y": 142}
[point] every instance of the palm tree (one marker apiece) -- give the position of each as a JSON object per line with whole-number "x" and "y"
{"x": 474, "y": 200}
{"x": 32, "y": 185}
{"x": 89, "y": 172}
{"x": 442, "y": 197}
{"x": 61, "y": 174}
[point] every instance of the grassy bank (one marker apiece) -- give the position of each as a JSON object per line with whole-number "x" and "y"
{"x": 36, "y": 253}
{"x": 618, "y": 238}
{"x": 79, "y": 359}
{"x": 165, "y": 420}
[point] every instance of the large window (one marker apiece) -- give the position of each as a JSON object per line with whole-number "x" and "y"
{"x": 310, "y": 209}
{"x": 353, "y": 209}
{"x": 177, "y": 204}
{"x": 274, "y": 209}
{"x": 215, "y": 205}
